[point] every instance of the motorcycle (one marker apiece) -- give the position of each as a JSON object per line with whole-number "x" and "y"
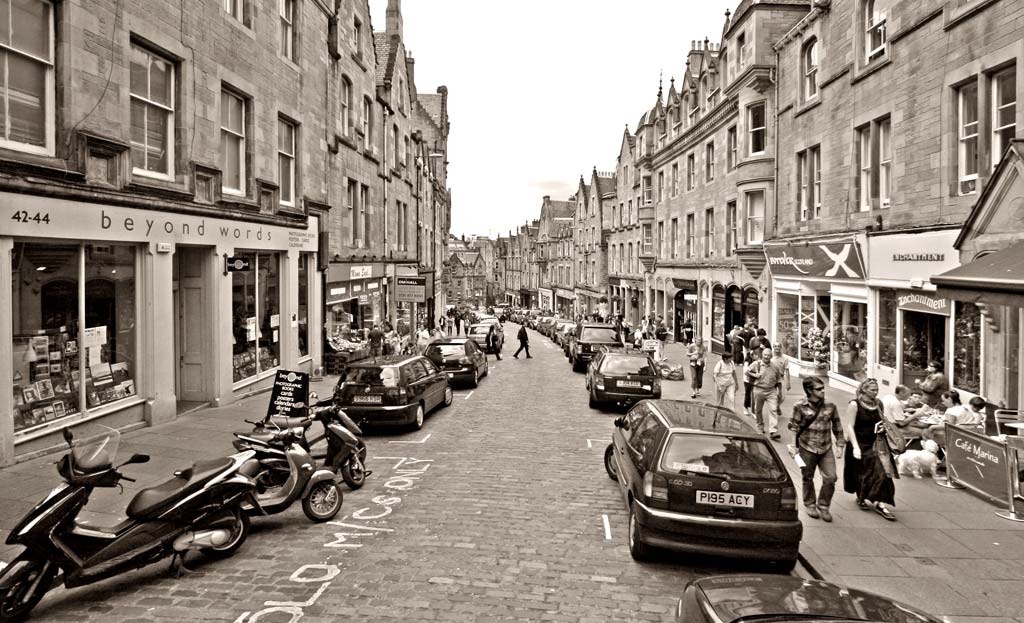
{"x": 287, "y": 473}
{"x": 200, "y": 508}
{"x": 345, "y": 452}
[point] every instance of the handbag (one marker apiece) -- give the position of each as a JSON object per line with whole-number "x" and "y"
{"x": 883, "y": 454}
{"x": 893, "y": 436}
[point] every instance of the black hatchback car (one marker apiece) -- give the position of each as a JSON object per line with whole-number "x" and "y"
{"x": 587, "y": 340}
{"x": 395, "y": 389}
{"x": 460, "y": 358}
{"x": 698, "y": 478}
{"x": 622, "y": 375}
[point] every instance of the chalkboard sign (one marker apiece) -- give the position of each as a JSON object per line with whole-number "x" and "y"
{"x": 289, "y": 395}
{"x": 979, "y": 463}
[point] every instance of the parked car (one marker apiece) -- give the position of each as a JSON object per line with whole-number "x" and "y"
{"x": 558, "y": 332}
{"x": 735, "y": 598}
{"x": 566, "y": 337}
{"x": 586, "y": 341}
{"x": 546, "y": 325}
{"x": 698, "y": 478}
{"x": 622, "y": 376}
{"x": 478, "y": 333}
{"x": 460, "y": 358}
{"x": 394, "y": 389}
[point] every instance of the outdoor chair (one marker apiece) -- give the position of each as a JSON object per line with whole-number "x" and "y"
{"x": 1006, "y": 416}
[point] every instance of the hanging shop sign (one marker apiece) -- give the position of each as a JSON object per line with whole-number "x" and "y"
{"x": 410, "y": 289}
{"x": 684, "y": 284}
{"x": 238, "y": 264}
{"x": 922, "y": 302}
{"x": 910, "y": 257}
{"x": 289, "y": 394}
{"x": 833, "y": 259}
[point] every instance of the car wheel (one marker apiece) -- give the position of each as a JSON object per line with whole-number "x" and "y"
{"x": 609, "y": 462}
{"x": 476, "y": 378}
{"x": 637, "y": 548}
{"x": 449, "y": 396}
{"x": 417, "y": 421}
{"x": 487, "y": 370}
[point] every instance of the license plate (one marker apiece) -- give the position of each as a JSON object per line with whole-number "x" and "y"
{"x": 372, "y": 399}
{"x": 723, "y": 498}
{"x": 629, "y": 383}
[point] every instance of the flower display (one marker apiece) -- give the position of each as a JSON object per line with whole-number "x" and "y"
{"x": 817, "y": 341}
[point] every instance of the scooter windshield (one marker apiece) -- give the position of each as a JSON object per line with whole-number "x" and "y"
{"x": 96, "y": 451}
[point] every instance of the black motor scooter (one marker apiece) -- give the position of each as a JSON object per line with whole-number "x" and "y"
{"x": 200, "y": 508}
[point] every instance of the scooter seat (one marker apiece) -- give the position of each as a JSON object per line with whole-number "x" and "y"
{"x": 149, "y": 502}
{"x": 260, "y": 434}
{"x": 291, "y": 422}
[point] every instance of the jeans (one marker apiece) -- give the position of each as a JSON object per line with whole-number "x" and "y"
{"x": 697, "y": 380}
{"x": 826, "y": 464}
{"x": 766, "y": 403}
{"x": 748, "y": 389}
{"x": 522, "y": 346}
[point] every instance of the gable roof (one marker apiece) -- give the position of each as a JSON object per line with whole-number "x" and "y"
{"x": 605, "y": 185}
{"x": 431, "y": 104}
{"x": 385, "y": 45}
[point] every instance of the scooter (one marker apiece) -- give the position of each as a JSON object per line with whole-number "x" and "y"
{"x": 200, "y": 508}
{"x": 287, "y": 473}
{"x": 345, "y": 452}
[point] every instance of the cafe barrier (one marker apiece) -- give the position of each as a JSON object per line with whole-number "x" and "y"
{"x": 986, "y": 466}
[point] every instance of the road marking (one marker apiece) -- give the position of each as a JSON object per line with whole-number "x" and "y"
{"x": 607, "y": 528}
{"x": 424, "y": 440}
{"x": 591, "y": 445}
{"x": 468, "y": 395}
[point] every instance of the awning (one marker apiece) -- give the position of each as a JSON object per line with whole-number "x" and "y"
{"x": 996, "y": 278}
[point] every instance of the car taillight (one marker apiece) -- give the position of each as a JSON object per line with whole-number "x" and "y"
{"x": 464, "y": 361}
{"x": 599, "y": 381}
{"x": 655, "y": 487}
{"x": 788, "y": 501}
{"x": 584, "y": 348}
{"x": 395, "y": 392}
{"x": 656, "y": 384}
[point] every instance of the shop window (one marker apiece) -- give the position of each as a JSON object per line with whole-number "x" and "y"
{"x": 924, "y": 340}
{"x": 887, "y": 345}
{"x": 967, "y": 347}
{"x": 255, "y": 300}
{"x": 26, "y": 51}
{"x": 787, "y": 323}
{"x": 718, "y": 313}
{"x": 705, "y": 301}
{"x": 152, "y": 113}
{"x": 305, "y": 259}
{"x": 815, "y": 342}
{"x": 849, "y": 339}
{"x": 750, "y": 306}
{"x": 63, "y": 366}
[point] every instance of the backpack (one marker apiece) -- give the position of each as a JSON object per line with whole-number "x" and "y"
{"x": 661, "y": 333}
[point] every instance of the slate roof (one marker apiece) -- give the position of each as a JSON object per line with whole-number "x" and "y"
{"x": 605, "y": 186}
{"x": 561, "y": 209}
{"x": 431, "y": 104}
{"x": 386, "y": 47}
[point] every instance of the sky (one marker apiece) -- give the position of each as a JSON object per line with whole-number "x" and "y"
{"x": 540, "y": 91}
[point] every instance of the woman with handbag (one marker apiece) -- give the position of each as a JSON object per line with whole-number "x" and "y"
{"x": 868, "y": 470}
{"x": 696, "y": 353}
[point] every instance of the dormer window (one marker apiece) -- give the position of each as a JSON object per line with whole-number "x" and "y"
{"x": 874, "y": 30}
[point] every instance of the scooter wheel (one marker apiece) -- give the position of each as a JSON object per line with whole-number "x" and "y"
{"x": 323, "y": 502}
{"x": 353, "y": 472}
{"x": 239, "y": 532}
{"x": 24, "y": 581}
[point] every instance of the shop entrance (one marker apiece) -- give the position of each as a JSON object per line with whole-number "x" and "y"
{"x": 924, "y": 339}
{"x": 685, "y": 312}
{"x": 190, "y": 322}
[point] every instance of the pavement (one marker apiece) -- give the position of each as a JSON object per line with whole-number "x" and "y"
{"x": 948, "y": 553}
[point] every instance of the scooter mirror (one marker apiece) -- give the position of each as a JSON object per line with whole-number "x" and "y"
{"x": 313, "y": 396}
{"x": 68, "y": 437}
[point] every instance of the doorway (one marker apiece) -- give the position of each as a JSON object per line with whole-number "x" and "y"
{"x": 924, "y": 340}
{"x": 191, "y": 319}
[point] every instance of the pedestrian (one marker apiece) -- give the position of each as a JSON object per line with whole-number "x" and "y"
{"x": 782, "y": 364}
{"x": 492, "y": 343}
{"x": 697, "y": 353}
{"x": 376, "y": 339}
{"x": 687, "y": 331}
{"x": 423, "y": 338}
{"x": 748, "y": 386}
{"x": 933, "y": 385}
{"x": 724, "y": 374}
{"x": 458, "y": 322}
{"x": 524, "y": 343}
{"x": 815, "y": 421}
{"x": 766, "y": 395}
{"x": 737, "y": 345}
{"x": 442, "y": 323}
{"x": 868, "y": 471}
{"x": 759, "y": 343}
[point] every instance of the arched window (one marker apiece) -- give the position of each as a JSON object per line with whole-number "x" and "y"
{"x": 750, "y": 305}
{"x": 809, "y": 65}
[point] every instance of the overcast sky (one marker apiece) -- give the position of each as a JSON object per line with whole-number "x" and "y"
{"x": 540, "y": 91}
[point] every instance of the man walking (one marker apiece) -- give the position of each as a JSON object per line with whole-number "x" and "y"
{"x": 492, "y": 343}
{"x": 524, "y": 343}
{"x": 457, "y": 317}
{"x": 782, "y": 364}
{"x": 766, "y": 394}
{"x": 376, "y": 338}
{"x": 815, "y": 420}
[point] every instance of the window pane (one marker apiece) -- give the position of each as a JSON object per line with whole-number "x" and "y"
{"x": 139, "y": 72}
{"x": 30, "y": 27}
{"x": 44, "y": 319}
{"x": 156, "y": 139}
{"x": 285, "y": 167}
{"x": 303, "y": 307}
{"x": 26, "y": 100}
{"x": 110, "y": 322}
{"x": 231, "y": 173}
{"x": 787, "y": 327}
{"x": 967, "y": 347}
{"x": 243, "y": 303}
{"x": 850, "y": 339}
{"x": 887, "y": 328}
{"x": 138, "y": 129}
{"x": 160, "y": 82}
{"x": 269, "y": 311}
{"x": 969, "y": 106}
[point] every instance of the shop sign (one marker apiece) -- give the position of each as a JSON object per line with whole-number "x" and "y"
{"x": 372, "y": 285}
{"x": 410, "y": 289}
{"x": 238, "y": 264}
{"x": 684, "y": 284}
{"x": 61, "y": 218}
{"x": 905, "y": 257}
{"x": 921, "y": 302}
{"x": 839, "y": 259}
{"x": 978, "y": 462}
{"x": 360, "y": 272}
{"x": 289, "y": 394}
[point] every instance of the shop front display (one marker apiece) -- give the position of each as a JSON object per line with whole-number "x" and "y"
{"x": 255, "y": 299}
{"x": 61, "y": 365}
{"x": 685, "y": 307}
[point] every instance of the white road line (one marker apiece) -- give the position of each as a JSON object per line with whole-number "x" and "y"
{"x": 468, "y": 395}
{"x": 607, "y": 528}
{"x": 590, "y": 443}
{"x": 424, "y": 440}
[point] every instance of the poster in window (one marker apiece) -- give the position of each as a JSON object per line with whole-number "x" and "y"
{"x": 129, "y": 388}
{"x": 58, "y": 408}
{"x": 250, "y": 329}
{"x": 49, "y": 413}
{"x": 30, "y": 393}
{"x": 42, "y": 371}
{"x": 41, "y": 345}
{"x": 119, "y": 371}
{"x": 56, "y": 356}
{"x": 19, "y": 399}
{"x": 38, "y": 416}
{"x": 101, "y": 374}
{"x": 61, "y": 386}
{"x": 45, "y": 389}
{"x": 95, "y": 336}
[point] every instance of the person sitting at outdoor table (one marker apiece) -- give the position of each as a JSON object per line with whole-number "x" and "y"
{"x": 895, "y": 409}
{"x": 958, "y": 415}
{"x": 934, "y": 384}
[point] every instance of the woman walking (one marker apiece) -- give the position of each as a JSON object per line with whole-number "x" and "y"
{"x": 696, "y": 353}
{"x": 725, "y": 381}
{"x": 868, "y": 471}
{"x": 748, "y": 385}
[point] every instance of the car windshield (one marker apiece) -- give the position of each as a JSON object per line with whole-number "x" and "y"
{"x": 731, "y": 457}
{"x": 378, "y": 376}
{"x": 446, "y": 350}
{"x": 624, "y": 364}
{"x": 599, "y": 334}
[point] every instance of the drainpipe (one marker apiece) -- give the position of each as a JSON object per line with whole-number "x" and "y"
{"x": 775, "y": 177}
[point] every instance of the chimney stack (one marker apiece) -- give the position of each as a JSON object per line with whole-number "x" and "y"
{"x": 394, "y": 18}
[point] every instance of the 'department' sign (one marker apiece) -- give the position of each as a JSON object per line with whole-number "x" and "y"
{"x": 979, "y": 463}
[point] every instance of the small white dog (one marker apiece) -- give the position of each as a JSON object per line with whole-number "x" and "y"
{"x": 918, "y": 463}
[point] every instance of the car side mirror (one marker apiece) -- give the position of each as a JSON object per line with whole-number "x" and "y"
{"x": 68, "y": 437}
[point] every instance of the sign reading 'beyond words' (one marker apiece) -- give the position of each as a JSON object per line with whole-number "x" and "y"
{"x": 827, "y": 259}
{"x": 410, "y": 289}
